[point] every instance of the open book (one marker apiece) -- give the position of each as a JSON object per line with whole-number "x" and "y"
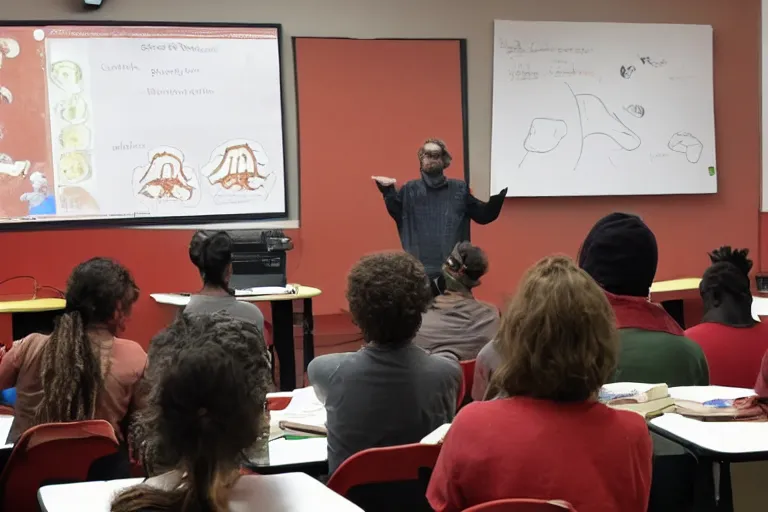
{"x": 717, "y": 403}
{"x": 648, "y": 400}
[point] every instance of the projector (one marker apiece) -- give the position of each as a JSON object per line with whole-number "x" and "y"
{"x": 92, "y": 4}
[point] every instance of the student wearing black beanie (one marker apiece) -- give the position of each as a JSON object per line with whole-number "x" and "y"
{"x": 621, "y": 254}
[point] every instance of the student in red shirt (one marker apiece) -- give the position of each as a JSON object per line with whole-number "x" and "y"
{"x": 732, "y": 340}
{"x": 545, "y": 436}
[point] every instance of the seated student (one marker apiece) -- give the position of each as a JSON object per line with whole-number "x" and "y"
{"x": 732, "y": 340}
{"x": 456, "y": 323}
{"x": 546, "y": 436}
{"x": 212, "y": 255}
{"x": 82, "y": 370}
{"x": 206, "y": 417}
{"x": 241, "y": 340}
{"x": 620, "y": 253}
{"x": 390, "y": 392}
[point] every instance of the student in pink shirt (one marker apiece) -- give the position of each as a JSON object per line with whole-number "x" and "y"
{"x": 82, "y": 370}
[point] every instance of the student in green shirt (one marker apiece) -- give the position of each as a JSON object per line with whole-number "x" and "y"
{"x": 620, "y": 253}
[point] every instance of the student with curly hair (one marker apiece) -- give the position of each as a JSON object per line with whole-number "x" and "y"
{"x": 390, "y": 392}
{"x": 206, "y": 416}
{"x": 242, "y": 340}
{"x": 732, "y": 340}
{"x": 456, "y": 323}
{"x": 211, "y": 253}
{"x": 83, "y": 370}
{"x": 546, "y": 436}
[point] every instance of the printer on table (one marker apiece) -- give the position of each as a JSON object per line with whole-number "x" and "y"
{"x": 258, "y": 258}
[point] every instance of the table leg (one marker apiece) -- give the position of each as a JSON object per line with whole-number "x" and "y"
{"x": 676, "y": 309}
{"x": 309, "y": 335}
{"x": 282, "y": 337}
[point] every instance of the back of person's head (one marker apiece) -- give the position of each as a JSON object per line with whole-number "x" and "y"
{"x": 205, "y": 417}
{"x": 100, "y": 295}
{"x": 558, "y": 340}
{"x": 387, "y": 294}
{"x": 621, "y": 254}
{"x": 241, "y": 340}
{"x": 464, "y": 267}
{"x": 727, "y": 278}
{"x": 211, "y": 253}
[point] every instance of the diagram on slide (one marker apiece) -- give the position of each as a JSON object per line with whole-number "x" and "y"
{"x": 76, "y": 199}
{"x": 14, "y": 169}
{"x": 74, "y": 167}
{"x": 166, "y": 179}
{"x": 9, "y": 49}
{"x": 238, "y": 171}
{"x": 40, "y": 201}
{"x": 6, "y": 97}
{"x": 594, "y": 119}
{"x": 75, "y": 137}
{"x": 690, "y": 146}
{"x": 66, "y": 75}
{"x": 73, "y": 110}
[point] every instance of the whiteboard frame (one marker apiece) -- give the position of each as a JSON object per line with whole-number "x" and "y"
{"x": 230, "y": 221}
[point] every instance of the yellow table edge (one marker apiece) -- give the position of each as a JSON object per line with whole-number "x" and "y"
{"x": 676, "y": 285}
{"x": 32, "y": 305}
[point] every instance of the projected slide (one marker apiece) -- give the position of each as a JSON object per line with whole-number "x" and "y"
{"x": 140, "y": 125}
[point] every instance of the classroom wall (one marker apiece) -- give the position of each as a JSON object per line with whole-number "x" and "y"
{"x": 528, "y": 228}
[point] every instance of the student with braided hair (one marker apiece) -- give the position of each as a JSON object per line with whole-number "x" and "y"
{"x": 732, "y": 340}
{"x": 83, "y": 370}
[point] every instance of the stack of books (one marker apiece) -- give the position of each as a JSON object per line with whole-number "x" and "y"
{"x": 647, "y": 400}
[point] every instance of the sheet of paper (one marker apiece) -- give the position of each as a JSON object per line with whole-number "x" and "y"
{"x": 701, "y": 394}
{"x": 5, "y": 428}
{"x": 265, "y": 290}
{"x": 303, "y": 408}
{"x": 173, "y": 299}
{"x": 297, "y": 451}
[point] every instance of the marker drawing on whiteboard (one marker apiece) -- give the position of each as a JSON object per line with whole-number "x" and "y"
{"x": 595, "y": 118}
{"x": 627, "y": 71}
{"x": 647, "y": 61}
{"x": 684, "y": 142}
{"x": 635, "y": 110}
{"x": 544, "y": 135}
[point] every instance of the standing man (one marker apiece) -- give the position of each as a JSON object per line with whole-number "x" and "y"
{"x": 433, "y": 213}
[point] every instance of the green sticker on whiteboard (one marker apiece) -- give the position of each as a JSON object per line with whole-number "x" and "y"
{"x": 711, "y": 171}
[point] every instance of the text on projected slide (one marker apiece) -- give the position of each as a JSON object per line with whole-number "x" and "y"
{"x": 140, "y": 122}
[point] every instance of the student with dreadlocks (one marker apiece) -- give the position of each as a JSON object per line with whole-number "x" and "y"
{"x": 432, "y": 213}
{"x": 732, "y": 340}
{"x": 211, "y": 253}
{"x": 456, "y": 323}
{"x": 205, "y": 415}
{"x": 83, "y": 370}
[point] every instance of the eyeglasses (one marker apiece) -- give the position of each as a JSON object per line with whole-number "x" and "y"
{"x": 432, "y": 154}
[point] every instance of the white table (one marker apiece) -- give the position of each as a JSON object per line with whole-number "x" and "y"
{"x": 720, "y": 442}
{"x": 5, "y": 428}
{"x": 290, "y": 492}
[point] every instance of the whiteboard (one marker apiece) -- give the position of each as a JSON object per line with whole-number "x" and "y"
{"x": 594, "y": 109}
{"x": 143, "y": 125}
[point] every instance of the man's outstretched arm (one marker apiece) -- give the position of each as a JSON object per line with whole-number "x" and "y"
{"x": 484, "y": 213}
{"x": 393, "y": 198}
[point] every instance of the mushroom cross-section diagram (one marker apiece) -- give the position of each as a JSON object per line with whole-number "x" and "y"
{"x": 165, "y": 178}
{"x": 9, "y": 49}
{"x": 239, "y": 168}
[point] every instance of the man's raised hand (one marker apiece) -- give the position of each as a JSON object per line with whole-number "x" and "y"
{"x": 384, "y": 181}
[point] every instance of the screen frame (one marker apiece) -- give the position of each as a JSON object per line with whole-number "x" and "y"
{"x": 180, "y": 222}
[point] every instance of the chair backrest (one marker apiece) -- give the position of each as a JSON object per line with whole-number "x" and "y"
{"x": 53, "y": 453}
{"x": 522, "y": 505}
{"x": 468, "y": 371}
{"x": 407, "y": 468}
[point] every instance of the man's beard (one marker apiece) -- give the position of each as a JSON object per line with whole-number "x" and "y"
{"x": 433, "y": 169}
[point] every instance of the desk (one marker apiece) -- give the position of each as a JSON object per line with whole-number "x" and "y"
{"x": 282, "y": 326}
{"x": 308, "y": 456}
{"x": 672, "y": 294}
{"x": 292, "y": 492}
{"x": 32, "y": 315}
{"x": 716, "y": 442}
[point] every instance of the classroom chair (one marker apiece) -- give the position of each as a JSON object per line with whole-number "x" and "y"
{"x": 522, "y": 505}
{"x": 468, "y": 371}
{"x": 386, "y": 479}
{"x": 54, "y": 453}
